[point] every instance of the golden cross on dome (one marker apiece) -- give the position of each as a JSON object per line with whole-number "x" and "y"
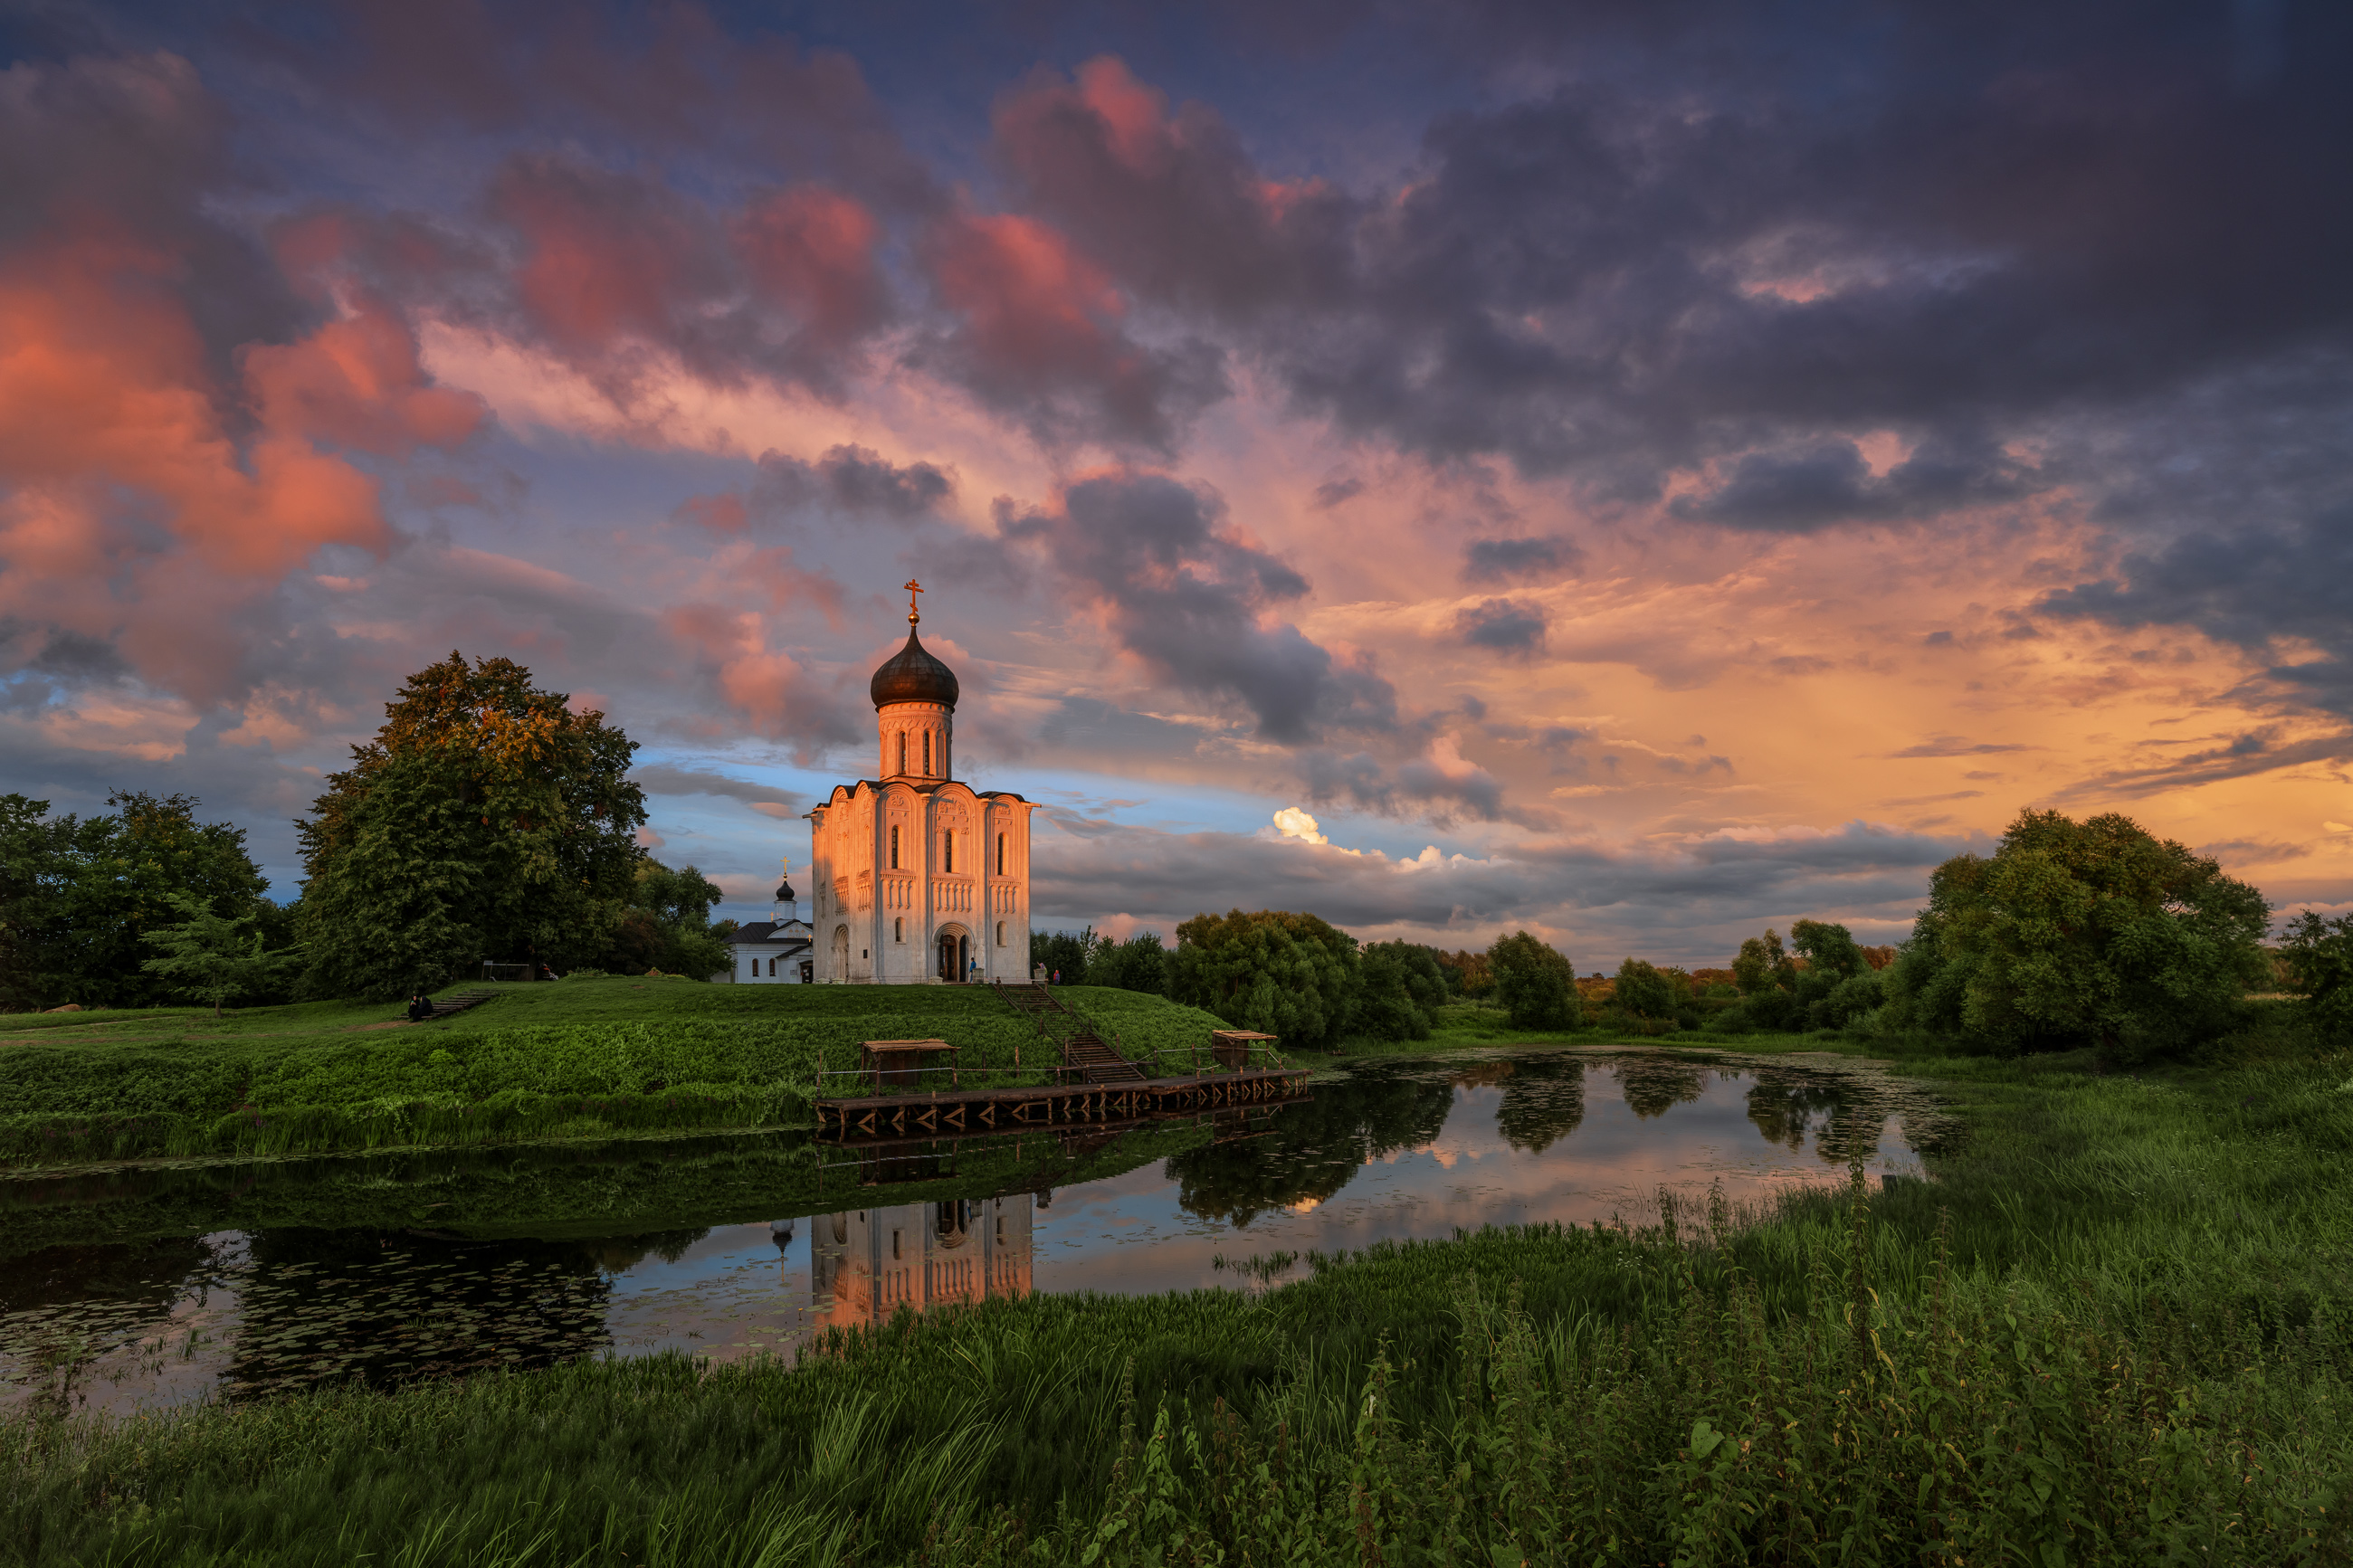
{"x": 915, "y": 612}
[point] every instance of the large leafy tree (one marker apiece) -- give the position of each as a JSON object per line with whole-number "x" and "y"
{"x": 78, "y": 896}
{"x": 2094, "y": 933}
{"x": 486, "y": 820}
{"x": 1290, "y": 975}
{"x": 1535, "y": 983}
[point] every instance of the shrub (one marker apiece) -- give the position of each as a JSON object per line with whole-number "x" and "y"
{"x": 1139, "y": 963}
{"x": 1643, "y": 990}
{"x": 1290, "y": 975}
{"x": 1535, "y": 982}
{"x": 2318, "y": 958}
{"x": 1404, "y": 987}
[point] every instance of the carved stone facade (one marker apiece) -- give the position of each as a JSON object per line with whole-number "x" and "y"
{"x": 918, "y": 877}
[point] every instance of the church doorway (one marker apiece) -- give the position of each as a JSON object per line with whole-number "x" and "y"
{"x": 955, "y": 950}
{"x": 840, "y": 953}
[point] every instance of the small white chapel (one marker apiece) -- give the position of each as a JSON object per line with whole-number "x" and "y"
{"x": 775, "y": 950}
{"x": 917, "y": 878}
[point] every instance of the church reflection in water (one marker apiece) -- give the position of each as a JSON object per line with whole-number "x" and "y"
{"x": 864, "y": 1264}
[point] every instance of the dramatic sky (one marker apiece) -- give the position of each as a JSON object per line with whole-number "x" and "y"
{"x": 1638, "y": 470}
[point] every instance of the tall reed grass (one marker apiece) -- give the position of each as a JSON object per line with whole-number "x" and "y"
{"x": 1975, "y": 1423}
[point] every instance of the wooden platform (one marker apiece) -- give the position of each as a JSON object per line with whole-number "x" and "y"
{"x": 897, "y": 1116}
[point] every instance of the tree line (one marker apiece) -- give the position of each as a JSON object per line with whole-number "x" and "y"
{"x": 486, "y": 820}
{"x": 2070, "y": 934}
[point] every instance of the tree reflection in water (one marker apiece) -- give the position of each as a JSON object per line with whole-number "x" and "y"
{"x": 1544, "y": 1101}
{"x": 1785, "y": 1110}
{"x": 1654, "y": 1085}
{"x": 1312, "y": 1148}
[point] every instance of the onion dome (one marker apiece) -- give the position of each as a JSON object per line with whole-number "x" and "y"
{"x": 785, "y": 894}
{"x": 914, "y": 676}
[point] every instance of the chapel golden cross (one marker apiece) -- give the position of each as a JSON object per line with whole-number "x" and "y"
{"x": 915, "y": 612}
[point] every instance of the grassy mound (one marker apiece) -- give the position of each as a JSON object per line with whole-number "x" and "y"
{"x": 1140, "y": 1024}
{"x": 574, "y": 1059}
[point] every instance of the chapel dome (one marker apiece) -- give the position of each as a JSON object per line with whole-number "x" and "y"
{"x": 914, "y": 676}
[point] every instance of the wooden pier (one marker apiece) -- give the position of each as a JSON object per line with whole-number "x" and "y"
{"x": 968, "y": 1110}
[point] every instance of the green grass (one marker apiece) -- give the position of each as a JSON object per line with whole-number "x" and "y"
{"x": 2112, "y": 1328}
{"x": 1138, "y": 1023}
{"x": 1468, "y": 1025}
{"x": 579, "y": 1058}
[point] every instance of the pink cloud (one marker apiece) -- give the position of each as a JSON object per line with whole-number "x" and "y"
{"x": 1041, "y": 336}
{"x": 1033, "y": 304}
{"x": 102, "y": 381}
{"x": 1170, "y": 203}
{"x": 151, "y": 503}
{"x": 357, "y": 382}
{"x": 767, "y": 685}
{"x": 605, "y": 257}
{"x": 783, "y": 584}
{"x": 813, "y": 251}
{"x": 718, "y": 514}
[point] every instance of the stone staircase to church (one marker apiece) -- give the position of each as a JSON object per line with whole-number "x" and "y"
{"x": 1083, "y": 1050}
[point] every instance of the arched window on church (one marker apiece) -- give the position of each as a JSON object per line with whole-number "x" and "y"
{"x": 1000, "y": 933}
{"x": 894, "y": 848}
{"x": 1000, "y": 860}
{"x": 947, "y": 850}
{"x": 927, "y": 753}
{"x": 898, "y": 930}
{"x": 902, "y": 750}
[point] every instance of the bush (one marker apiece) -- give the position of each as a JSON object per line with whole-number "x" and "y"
{"x": 2318, "y": 958}
{"x": 1847, "y": 1000}
{"x": 1534, "y": 984}
{"x": 1643, "y": 990}
{"x": 1404, "y": 988}
{"x": 1286, "y": 974}
{"x": 2084, "y": 933}
{"x": 1066, "y": 953}
{"x": 1139, "y": 963}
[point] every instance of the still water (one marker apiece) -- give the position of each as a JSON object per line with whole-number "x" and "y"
{"x": 149, "y": 1286}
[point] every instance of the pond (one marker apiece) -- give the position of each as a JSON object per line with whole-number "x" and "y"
{"x": 154, "y": 1285}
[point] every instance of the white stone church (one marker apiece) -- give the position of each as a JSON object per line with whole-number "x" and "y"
{"x": 919, "y": 878}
